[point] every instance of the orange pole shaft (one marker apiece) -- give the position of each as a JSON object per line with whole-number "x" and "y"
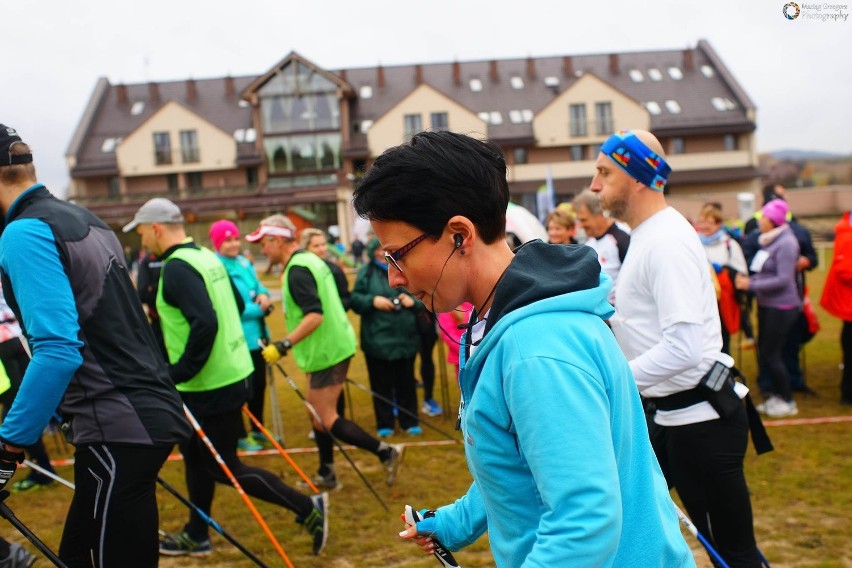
{"x": 236, "y": 485}
{"x": 279, "y": 447}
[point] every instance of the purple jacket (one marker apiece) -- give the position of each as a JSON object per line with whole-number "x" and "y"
{"x": 775, "y": 284}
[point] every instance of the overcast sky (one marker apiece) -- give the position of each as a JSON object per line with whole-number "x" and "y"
{"x": 797, "y": 72}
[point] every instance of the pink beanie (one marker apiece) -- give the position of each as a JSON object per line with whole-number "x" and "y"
{"x": 221, "y": 230}
{"x": 776, "y": 211}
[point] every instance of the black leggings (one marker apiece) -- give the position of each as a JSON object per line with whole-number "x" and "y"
{"x": 774, "y": 327}
{"x": 112, "y": 520}
{"x": 427, "y": 364}
{"x": 393, "y": 380}
{"x": 704, "y": 462}
{"x": 202, "y": 472}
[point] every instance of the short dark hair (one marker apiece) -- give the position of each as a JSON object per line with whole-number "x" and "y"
{"x": 432, "y": 178}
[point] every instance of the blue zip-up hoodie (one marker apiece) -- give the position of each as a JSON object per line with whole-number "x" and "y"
{"x": 555, "y": 435}
{"x": 244, "y": 276}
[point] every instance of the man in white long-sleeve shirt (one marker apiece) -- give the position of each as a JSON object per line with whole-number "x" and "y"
{"x": 667, "y": 325}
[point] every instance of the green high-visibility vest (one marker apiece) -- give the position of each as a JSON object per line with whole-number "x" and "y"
{"x": 334, "y": 340}
{"x": 229, "y": 360}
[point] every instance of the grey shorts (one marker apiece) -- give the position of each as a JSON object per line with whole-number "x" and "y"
{"x": 330, "y": 377}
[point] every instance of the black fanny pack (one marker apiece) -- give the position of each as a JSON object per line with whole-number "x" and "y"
{"x": 717, "y": 388}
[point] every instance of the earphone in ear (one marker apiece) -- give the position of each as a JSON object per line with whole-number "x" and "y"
{"x": 458, "y": 240}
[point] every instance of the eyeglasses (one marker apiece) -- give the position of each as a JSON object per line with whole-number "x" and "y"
{"x": 393, "y": 258}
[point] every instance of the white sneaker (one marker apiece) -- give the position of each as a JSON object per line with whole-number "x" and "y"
{"x": 768, "y": 403}
{"x": 782, "y": 408}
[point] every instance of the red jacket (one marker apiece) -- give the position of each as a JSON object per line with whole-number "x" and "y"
{"x": 837, "y": 294}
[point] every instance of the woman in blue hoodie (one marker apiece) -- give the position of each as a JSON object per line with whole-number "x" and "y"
{"x": 555, "y": 436}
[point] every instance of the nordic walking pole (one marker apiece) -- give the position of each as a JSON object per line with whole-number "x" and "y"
{"x": 7, "y": 514}
{"x": 278, "y": 447}
{"x": 349, "y": 406}
{"x": 213, "y": 524}
{"x": 704, "y": 542}
{"x": 50, "y": 474}
{"x": 403, "y": 410}
{"x": 274, "y": 407}
{"x": 337, "y": 443}
{"x": 197, "y": 427}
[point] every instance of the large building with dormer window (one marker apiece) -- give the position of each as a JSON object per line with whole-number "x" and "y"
{"x": 297, "y": 137}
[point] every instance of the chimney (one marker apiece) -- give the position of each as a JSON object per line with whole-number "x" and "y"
{"x": 493, "y": 72}
{"x": 530, "y": 68}
{"x": 613, "y": 63}
{"x": 687, "y": 60}
{"x": 153, "y": 91}
{"x": 121, "y": 94}
{"x": 456, "y": 73}
{"x": 342, "y": 75}
{"x": 418, "y": 74}
{"x": 230, "y": 90}
{"x": 191, "y": 90}
{"x": 567, "y": 66}
{"x": 380, "y": 76}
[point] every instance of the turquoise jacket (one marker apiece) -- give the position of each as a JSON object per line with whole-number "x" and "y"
{"x": 555, "y": 435}
{"x": 242, "y": 272}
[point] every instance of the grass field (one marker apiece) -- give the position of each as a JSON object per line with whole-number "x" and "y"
{"x": 799, "y": 492}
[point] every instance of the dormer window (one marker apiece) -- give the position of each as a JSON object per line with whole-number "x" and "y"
{"x": 109, "y": 145}
{"x": 636, "y": 76}
{"x": 476, "y": 84}
{"x": 707, "y": 71}
{"x": 517, "y": 82}
{"x": 675, "y": 73}
{"x": 673, "y": 107}
{"x": 723, "y": 104}
{"x": 365, "y": 92}
{"x": 654, "y": 74}
{"x": 137, "y": 108}
{"x": 653, "y": 107}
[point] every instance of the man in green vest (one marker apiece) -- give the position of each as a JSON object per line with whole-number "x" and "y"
{"x": 323, "y": 343}
{"x": 209, "y": 362}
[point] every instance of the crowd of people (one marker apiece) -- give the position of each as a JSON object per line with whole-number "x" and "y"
{"x": 605, "y": 355}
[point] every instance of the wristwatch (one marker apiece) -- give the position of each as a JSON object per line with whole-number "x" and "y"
{"x": 286, "y": 343}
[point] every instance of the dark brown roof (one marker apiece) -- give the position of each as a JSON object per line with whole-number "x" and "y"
{"x": 694, "y": 92}
{"x": 109, "y": 114}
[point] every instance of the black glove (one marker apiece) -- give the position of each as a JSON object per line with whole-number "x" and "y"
{"x": 8, "y": 465}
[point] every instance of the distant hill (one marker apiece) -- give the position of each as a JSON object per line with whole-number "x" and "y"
{"x": 804, "y": 155}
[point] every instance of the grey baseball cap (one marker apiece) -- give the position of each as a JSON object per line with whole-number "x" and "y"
{"x": 157, "y": 210}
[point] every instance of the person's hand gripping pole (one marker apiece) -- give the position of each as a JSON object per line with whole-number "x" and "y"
{"x": 420, "y": 526}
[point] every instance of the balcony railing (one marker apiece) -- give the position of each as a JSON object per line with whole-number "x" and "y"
{"x": 195, "y": 193}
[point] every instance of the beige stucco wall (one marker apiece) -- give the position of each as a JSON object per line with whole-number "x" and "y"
{"x": 551, "y": 124}
{"x": 389, "y": 129}
{"x": 135, "y": 154}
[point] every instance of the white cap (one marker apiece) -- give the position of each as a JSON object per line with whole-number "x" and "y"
{"x": 269, "y": 230}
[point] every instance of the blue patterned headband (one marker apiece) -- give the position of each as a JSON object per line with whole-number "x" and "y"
{"x": 635, "y": 158}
